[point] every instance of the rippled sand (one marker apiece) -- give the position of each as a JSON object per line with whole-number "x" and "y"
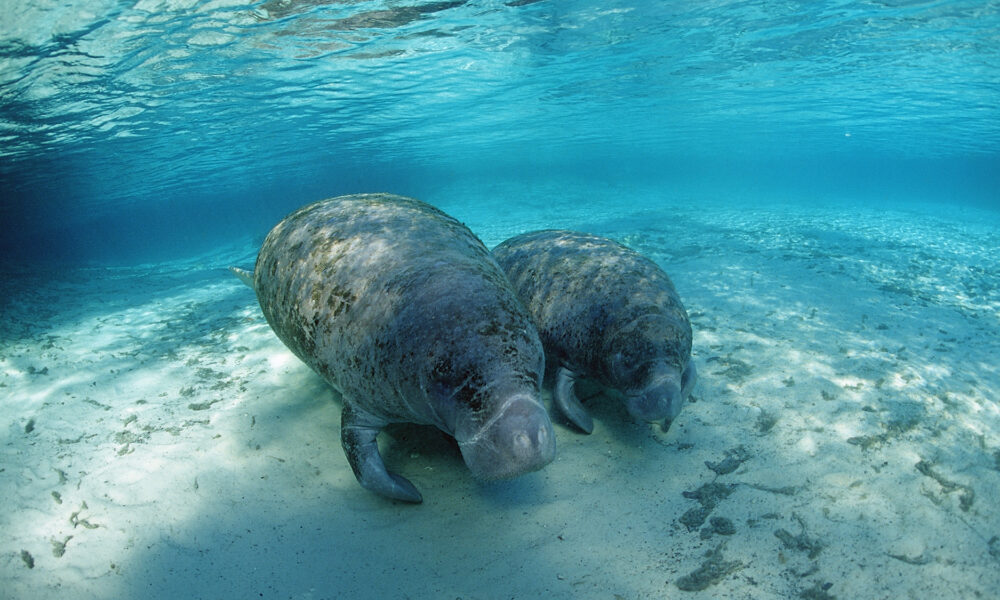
{"x": 843, "y": 442}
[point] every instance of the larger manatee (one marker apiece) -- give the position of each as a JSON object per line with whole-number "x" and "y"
{"x": 404, "y": 311}
{"x": 607, "y": 313}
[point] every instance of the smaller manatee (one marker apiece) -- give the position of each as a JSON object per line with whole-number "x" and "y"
{"x": 607, "y": 313}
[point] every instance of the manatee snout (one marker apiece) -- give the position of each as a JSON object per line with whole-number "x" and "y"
{"x": 517, "y": 439}
{"x": 663, "y": 397}
{"x": 661, "y": 401}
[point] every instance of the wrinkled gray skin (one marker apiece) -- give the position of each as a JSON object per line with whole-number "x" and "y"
{"x": 403, "y": 310}
{"x": 607, "y": 313}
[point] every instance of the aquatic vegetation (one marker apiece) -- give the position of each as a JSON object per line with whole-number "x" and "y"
{"x": 717, "y": 526}
{"x": 817, "y": 592}
{"x": 966, "y": 494}
{"x": 59, "y": 546}
{"x": 902, "y": 418}
{"x": 734, "y": 369}
{"x": 801, "y": 542}
{"x": 732, "y": 461}
{"x": 708, "y": 496}
{"x": 712, "y": 570}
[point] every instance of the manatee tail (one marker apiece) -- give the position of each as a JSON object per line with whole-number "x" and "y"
{"x": 244, "y": 275}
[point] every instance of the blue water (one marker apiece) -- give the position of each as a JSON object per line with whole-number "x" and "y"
{"x": 132, "y": 131}
{"x": 820, "y": 180}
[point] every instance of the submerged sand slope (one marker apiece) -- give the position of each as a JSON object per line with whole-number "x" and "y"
{"x": 159, "y": 441}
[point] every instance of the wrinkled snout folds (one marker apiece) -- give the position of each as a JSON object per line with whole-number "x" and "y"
{"x": 517, "y": 439}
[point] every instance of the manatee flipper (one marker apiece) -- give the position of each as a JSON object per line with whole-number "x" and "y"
{"x": 244, "y": 275}
{"x": 357, "y": 435}
{"x": 565, "y": 398}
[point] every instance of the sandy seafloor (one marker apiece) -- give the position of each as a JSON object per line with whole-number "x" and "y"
{"x": 158, "y": 441}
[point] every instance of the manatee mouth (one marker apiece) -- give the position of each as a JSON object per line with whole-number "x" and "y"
{"x": 661, "y": 399}
{"x": 517, "y": 439}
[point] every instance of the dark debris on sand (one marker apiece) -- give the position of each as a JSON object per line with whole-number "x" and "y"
{"x": 711, "y": 571}
{"x": 801, "y": 542}
{"x": 708, "y": 496}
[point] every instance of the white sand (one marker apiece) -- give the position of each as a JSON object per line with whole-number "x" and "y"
{"x": 158, "y": 441}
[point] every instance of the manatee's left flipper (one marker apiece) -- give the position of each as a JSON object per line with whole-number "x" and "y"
{"x": 245, "y": 276}
{"x": 357, "y": 435}
{"x": 565, "y": 398}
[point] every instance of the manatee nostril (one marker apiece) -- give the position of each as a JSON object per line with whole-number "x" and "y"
{"x": 517, "y": 441}
{"x": 650, "y": 406}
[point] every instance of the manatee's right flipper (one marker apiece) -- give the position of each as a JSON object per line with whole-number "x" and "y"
{"x": 565, "y": 398}
{"x": 357, "y": 435}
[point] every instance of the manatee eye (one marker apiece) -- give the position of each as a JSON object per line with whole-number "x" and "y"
{"x": 631, "y": 351}
{"x": 456, "y": 386}
{"x": 617, "y": 362}
{"x": 440, "y": 392}
{"x": 631, "y": 365}
{"x": 623, "y": 365}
